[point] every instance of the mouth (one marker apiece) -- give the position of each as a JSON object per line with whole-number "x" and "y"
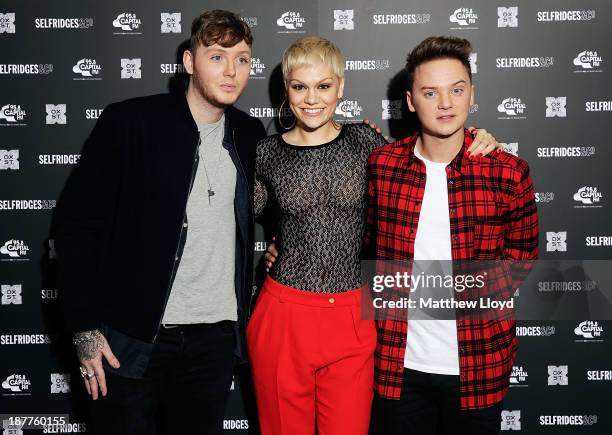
{"x": 227, "y": 87}
{"x": 445, "y": 118}
{"x": 312, "y": 112}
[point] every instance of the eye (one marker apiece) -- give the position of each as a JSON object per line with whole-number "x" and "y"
{"x": 429, "y": 94}
{"x": 325, "y": 86}
{"x": 297, "y": 87}
{"x": 216, "y": 57}
{"x": 244, "y": 60}
{"x": 457, "y": 91}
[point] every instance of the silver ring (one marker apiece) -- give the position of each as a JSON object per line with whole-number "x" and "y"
{"x": 85, "y": 374}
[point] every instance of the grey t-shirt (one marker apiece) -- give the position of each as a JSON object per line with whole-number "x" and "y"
{"x": 204, "y": 288}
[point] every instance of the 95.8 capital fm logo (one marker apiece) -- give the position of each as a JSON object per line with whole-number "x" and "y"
{"x": 127, "y": 23}
{"x": 588, "y": 61}
{"x": 14, "y": 250}
{"x": 12, "y": 115}
{"x": 87, "y": 69}
{"x": 465, "y": 18}
{"x": 512, "y": 108}
{"x": 291, "y": 22}
{"x": 16, "y": 385}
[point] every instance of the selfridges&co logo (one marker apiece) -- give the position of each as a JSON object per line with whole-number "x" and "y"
{"x": 588, "y": 196}
{"x": 344, "y": 20}
{"x": 401, "y": 19}
{"x": 367, "y": 64}
{"x": 544, "y": 197}
{"x": 391, "y": 109}
{"x": 349, "y": 109}
{"x": 63, "y": 23}
{"x": 60, "y": 383}
{"x": 518, "y": 377}
{"x": 26, "y": 68}
{"x": 566, "y": 151}
{"x": 474, "y": 63}
{"x": 525, "y": 62}
{"x": 568, "y": 420}
{"x": 465, "y": 17}
{"x": 56, "y": 113}
{"x": 89, "y": 69}
{"x": 513, "y": 107}
{"x": 9, "y": 159}
{"x": 292, "y": 21}
{"x": 130, "y": 68}
{"x": 11, "y": 294}
{"x": 507, "y": 17}
{"x": 15, "y": 249}
{"x": 257, "y": 68}
{"x": 511, "y": 148}
{"x": 7, "y": 22}
{"x": 586, "y": 15}
{"x": 510, "y": 420}
{"x": 557, "y": 375}
{"x": 27, "y": 204}
{"x": 127, "y": 22}
{"x": 535, "y": 331}
{"x": 556, "y": 241}
{"x": 170, "y": 22}
{"x": 16, "y": 384}
{"x": 12, "y": 114}
{"x": 555, "y": 106}
{"x": 589, "y": 329}
{"x": 589, "y": 61}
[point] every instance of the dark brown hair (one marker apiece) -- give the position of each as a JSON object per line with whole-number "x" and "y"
{"x": 439, "y": 47}
{"x": 219, "y": 27}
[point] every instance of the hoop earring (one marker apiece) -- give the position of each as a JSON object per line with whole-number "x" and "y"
{"x": 337, "y": 125}
{"x": 280, "y": 110}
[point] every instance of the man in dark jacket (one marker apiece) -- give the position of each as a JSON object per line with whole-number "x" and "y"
{"x": 154, "y": 242}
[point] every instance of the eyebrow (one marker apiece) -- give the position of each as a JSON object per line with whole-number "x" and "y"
{"x": 454, "y": 84}
{"x": 326, "y": 78}
{"x": 212, "y": 50}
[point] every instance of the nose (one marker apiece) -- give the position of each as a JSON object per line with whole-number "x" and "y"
{"x": 230, "y": 69}
{"x": 311, "y": 97}
{"x": 444, "y": 102}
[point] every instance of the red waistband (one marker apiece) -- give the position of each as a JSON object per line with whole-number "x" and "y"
{"x": 285, "y": 293}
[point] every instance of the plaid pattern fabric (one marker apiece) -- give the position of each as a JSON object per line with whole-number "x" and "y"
{"x": 493, "y": 216}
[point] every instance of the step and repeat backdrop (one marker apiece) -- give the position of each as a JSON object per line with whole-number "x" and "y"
{"x": 543, "y": 88}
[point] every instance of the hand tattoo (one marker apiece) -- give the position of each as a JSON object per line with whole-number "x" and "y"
{"x": 88, "y": 344}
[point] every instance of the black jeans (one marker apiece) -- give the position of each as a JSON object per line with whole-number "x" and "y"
{"x": 184, "y": 390}
{"x": 429, "y": 405}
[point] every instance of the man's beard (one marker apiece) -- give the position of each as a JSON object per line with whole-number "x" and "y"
{"x": 204, "y": 94}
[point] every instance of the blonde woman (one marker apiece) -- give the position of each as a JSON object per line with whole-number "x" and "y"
{"x": 310, "y": 350}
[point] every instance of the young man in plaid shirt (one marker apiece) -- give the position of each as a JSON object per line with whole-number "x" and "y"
{"x": 430, "y": 200}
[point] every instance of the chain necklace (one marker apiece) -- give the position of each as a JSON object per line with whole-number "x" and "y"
{"x": 211, "y": 191}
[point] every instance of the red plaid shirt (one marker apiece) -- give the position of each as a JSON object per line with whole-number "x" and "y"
{"x": 493, "y": 216}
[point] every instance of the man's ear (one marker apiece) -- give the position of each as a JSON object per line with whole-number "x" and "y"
{"x": 188, "y": 59}
{"x": 409, "y": 101}
{"x": 472, "y": 96}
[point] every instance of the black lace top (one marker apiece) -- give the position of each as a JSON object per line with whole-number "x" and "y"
{"x": 320, "y": 192}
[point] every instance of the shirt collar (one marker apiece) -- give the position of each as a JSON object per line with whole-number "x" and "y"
{"x": 459, "y": 162}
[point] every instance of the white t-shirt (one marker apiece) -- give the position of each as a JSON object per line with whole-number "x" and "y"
{"x": 431, "y": 345}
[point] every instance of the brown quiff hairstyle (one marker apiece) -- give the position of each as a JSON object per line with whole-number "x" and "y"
{"x": 439, "y": 47}
{"x": 219, "y": 27}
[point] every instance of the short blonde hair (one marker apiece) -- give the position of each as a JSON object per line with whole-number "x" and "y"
{"x": 311, "y": 51}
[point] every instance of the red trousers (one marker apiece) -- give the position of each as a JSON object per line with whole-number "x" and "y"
{"x": 312, "y": 359}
